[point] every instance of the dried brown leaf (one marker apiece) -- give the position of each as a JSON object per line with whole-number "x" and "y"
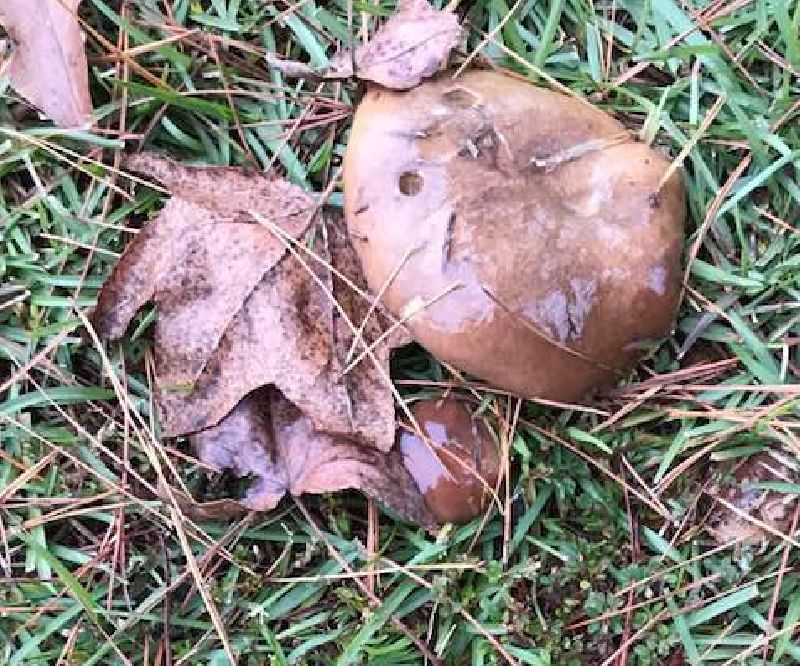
{"x": 367, "y": 383}
{"x": 284, "y": 335}
{"x": 410, "y": 47}
{"x": 252, "y": 338}
{"x": 300, "y": 70}
{"x": 743, "y": 490}
{"x": 237, "y": 312}
{"x": 48, "y": 66}
{"x": 199, "y": 261}
{"x": 267, "y": 437}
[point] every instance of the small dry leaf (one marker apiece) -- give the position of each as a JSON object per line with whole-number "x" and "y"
{"x": 238, "y": 312}
{"x": 745, "y": 491}
{"x": 410, "y": 47}
{"x": 48, "y": 66}
{"x": 367, "y": 381}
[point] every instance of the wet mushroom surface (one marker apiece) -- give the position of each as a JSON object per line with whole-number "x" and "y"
{"x": 457, "y": 467}
{"x": 523, "y": 235}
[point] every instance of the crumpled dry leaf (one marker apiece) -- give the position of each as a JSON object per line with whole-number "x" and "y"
{"x": 267, "y": 437}
{"x": 238, "y": 312}
{"x": 200, "y": 261}
{"x": 48, "y": 66}
{"x": 410, "y": 47}
{"x": 767, "y": 507}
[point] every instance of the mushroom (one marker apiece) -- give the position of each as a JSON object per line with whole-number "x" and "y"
{"x": 522, "y": 235}
{"x": 457, "y": 466}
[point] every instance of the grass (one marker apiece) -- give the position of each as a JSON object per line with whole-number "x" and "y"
{"x": 602, "y": 553}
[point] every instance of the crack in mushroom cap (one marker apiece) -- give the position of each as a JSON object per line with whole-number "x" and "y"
{"x": 523, "y": 233}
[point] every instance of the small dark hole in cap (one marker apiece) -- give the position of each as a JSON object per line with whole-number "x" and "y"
{"x": 410, "y": 183}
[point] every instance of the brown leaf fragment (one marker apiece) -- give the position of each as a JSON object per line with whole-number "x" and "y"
{"x": 199, "y": 260}
{"x": 745, "y": 487}
{"x": 267, "y": 437}
{"x": 242, "y": 442}
{"x": 238, "y": 311}
{"x": 300, "y": 70}
{"x": 281, "y": 336}
{"x": 204, "y": 249}
{"x": 48, "y": 66}
{"x": 289, "y": 334}
{"x": 253, "y": 336}
{"x": 410, "y": 47}
{"x": 371, "y": 402}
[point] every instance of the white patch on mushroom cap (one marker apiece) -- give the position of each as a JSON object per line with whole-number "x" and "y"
{"x": 657, "y": 279}
{"x": 564, "y": 315}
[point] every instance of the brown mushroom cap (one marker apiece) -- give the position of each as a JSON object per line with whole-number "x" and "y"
{"x": 458, "y": 466}
{"x": 522, "y": 232}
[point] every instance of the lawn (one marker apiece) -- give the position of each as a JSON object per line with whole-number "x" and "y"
{"x": 602, "y": 551}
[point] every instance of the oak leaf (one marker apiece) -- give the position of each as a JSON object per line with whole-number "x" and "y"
{"x": 254, "y": 337}
{"x": 411, "y": 46}
{"x": 48, "y": 66}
